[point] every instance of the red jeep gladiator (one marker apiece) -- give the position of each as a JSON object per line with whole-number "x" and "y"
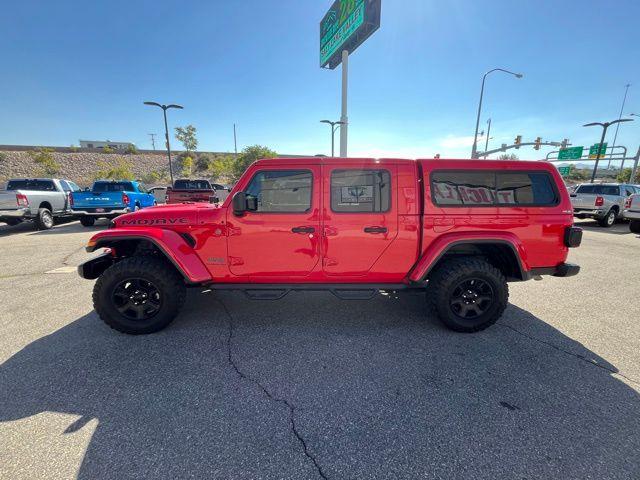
{"x": 459, "y": 229}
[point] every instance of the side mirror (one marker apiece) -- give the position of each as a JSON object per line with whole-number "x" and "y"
{"x": 239, "y": 202}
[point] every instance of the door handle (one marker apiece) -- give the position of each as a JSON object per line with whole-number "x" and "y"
{"x": 303, "y": 229}
{"x": 375, "y": 229}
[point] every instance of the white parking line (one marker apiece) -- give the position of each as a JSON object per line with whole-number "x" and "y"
{"x": 62, "y": 270}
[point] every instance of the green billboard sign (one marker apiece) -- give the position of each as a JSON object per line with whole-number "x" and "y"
{"x": 564, "y": 171}
{"x": 593, "y": 150}
{"x": 571, "y": 153}
{"x": 347, "y": 24}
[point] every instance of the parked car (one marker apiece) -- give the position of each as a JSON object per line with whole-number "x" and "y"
{"x": 42, "y": 200}
{"x": 632, "y": 211}
{"x": 108, "y": 199}
{"x": 603, "y": 202}
{"x": 185, "y": 190}
{"x": 458, "y": 229}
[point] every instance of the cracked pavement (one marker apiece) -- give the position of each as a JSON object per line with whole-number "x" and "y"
{"x": 314, "y": 387}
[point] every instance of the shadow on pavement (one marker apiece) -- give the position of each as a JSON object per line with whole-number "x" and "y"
{"x": 619, "y": 228}
{"x": 376, "y": 391}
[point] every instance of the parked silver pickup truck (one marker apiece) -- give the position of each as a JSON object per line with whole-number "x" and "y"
{"x": 38, "y": 199}
{"x": 603, "y": 202}
{"x": 632, "y": 211}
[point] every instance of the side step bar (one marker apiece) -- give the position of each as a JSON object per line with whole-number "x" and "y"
{"x": 351, "y": 291}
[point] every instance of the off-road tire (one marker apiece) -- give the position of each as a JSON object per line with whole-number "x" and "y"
{"x": 157, "y": 271}
{"x": 87, "y": 221}
{"x": 44, "y": 219}
{"x": 634, "y": 226}
{"x": 448, "y": 277}
{"x": 608, "y": 220}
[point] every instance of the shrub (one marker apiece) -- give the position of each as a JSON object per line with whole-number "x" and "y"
{"x": 155, "y": 177}
{"x": 107, "y": 149}
{"x": 131, "y": 150}
{"x": 123, "y": 170}
{"x": 44, "y": 158}
{"x": 74, "y": 148}
{"x": 186, "y": 165}
{"x": 222, "y": 167}
{"x": 247, "y": 157}
{"x": 202, "y": 163}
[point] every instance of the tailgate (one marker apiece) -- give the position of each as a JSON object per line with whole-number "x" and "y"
{"x": 584, "y": 200}
{"x": 8, "y": 200}
{"x": 181, "y": 196}
{"x": 82, "y": 200}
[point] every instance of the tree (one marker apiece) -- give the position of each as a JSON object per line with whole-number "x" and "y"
{"x": 247, "y": 157}
{"x": 187, "y": 136}
{"x": 508, "y": 156}
{"x": 123, "y": 170}
{"x": 625, "y": 176}
{"x": 44, "y": 158}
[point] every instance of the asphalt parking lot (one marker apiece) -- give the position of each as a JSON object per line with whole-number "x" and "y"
{"x": 313, "y": 387}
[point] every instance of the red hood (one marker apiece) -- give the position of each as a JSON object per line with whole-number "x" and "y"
{"x": 180, "y": 214}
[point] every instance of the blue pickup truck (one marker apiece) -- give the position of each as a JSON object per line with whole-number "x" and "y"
{"x": 108, "y": 199}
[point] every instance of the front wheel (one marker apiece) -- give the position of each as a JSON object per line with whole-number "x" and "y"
{"x": 608, "y": 220}
{"x": 139, "y": 295}
{"x": 469, "y": 294}
{"x": 87, "y": 221}
{"x": 634, "y": 226}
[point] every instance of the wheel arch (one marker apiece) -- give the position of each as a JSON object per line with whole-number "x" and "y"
{"x": 46, "y": 205}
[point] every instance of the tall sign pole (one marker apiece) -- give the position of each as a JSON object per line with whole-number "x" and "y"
{"x": 344, "y": 118}
{"x": 346, "y": 25}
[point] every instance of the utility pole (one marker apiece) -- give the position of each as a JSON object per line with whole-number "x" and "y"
{"x": 615, "y": 136}
{"x": 334, "y": 126}
{"x": 486, "y": 143}
{"x": 153, "y": 140}
{"x": 235, "y": 141}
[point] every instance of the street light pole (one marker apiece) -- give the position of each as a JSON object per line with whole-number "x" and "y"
{"x": 604, "y": 126}
{"x": 334, "y": 126}
{"x": 615, "y": 136}
{"x": 166, "y": 129}
{"x": 474, "y": 149}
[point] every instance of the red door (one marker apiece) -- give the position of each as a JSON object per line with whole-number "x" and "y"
{"x": 360, "y": 216}
{"x": 282, "y": 237}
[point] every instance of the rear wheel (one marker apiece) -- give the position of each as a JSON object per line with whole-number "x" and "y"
{"x": 87, "y": 221}
{"x": 634, "y": 226}
{"x": 608, "y": 220}
{"x": 468, "y": 294}
{"x": 44, "y": 219}
{"x": 139, "y": 295}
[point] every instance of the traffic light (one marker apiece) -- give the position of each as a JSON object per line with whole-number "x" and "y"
{"x": 538, "y": 142}
{"x": 518, "y": 141}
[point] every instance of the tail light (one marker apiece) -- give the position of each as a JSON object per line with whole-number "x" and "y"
{"x": 71, "y": 199}
{"x": 627, "y": 203}
{"x": 599, "y": 201}
{"x": 22, "y": 200}
{"x": 125, "y": 199}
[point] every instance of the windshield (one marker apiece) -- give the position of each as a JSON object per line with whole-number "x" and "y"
{"x": 38, "y": 185}
{"x": 112, "y": 187}
{"x": 599, "y": 189}
{"x": 192, "y": 185}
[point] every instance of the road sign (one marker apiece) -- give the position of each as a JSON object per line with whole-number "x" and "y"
{"x": 572, "y": 153}
{"x": 347, "y": 24}
{"x": 564, "y": 171}
{"x": 593, "y": 150}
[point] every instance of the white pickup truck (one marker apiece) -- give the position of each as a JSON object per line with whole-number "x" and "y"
{"x": 603, "y": 202}
{"x": 39, "y": 199}
{"x": 632, "y": 212}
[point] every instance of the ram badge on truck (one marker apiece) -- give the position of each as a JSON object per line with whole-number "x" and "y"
{"x": 458, "y": 229}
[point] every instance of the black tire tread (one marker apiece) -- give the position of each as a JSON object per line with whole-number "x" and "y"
{"x": 453, "y": 270}
{"x": 157, "y": 267}
{"x": 38, "y": 220}
{"x": 634, "y": 226}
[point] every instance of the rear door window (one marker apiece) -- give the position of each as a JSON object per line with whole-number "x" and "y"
{"x": 599, "y": 189}
{"x": 525, "y": 188}
{"x": 360, "y": 191}
{"x": 281, "y": 191}
{"x": 36, "y": 185}
{"x": 113, "y": 187}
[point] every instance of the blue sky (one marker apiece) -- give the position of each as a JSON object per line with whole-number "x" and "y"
{"x": 82, "y": 70}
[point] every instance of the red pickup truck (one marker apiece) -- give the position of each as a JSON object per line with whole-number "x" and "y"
{"x": 459, "y": 229}
{"x": 185, "y": 190}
